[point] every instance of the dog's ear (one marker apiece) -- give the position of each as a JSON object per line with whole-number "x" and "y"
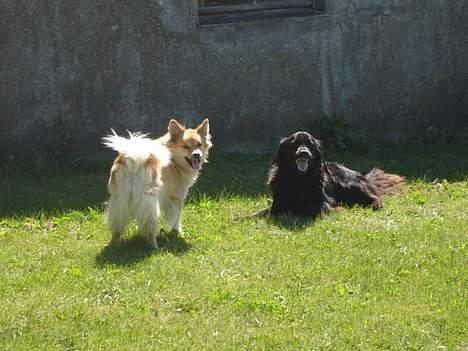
{"x": 319, "y": 146}
{"x": 204, "y": 128}
{"x": 175, "y": 129}
{"x": 277, "y": 156}
{"x": 317, "y": 143}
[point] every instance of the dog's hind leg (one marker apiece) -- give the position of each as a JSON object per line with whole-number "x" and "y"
{"x": 148, "y": 219}
{"x": 117, "y": 217}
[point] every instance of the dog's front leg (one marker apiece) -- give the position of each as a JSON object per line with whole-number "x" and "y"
{"x": 174, "y": 214}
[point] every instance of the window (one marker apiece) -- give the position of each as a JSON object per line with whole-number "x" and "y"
{"x": 231, "y": 11}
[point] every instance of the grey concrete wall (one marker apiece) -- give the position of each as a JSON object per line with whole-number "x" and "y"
{"x": 70, "y": 70}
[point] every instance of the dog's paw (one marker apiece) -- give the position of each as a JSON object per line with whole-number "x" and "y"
{"x": 153, "y": 243}
{"x": 114, "y": 241}
{"x": 177, "y": 229}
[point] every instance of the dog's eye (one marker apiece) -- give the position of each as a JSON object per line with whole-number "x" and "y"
{"x": 199, "y": 144}
{"x": 186, "y": 147}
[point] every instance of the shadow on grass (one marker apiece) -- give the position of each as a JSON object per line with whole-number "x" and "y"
{"x": 246, "y": 174}
{"x": 52, "y": 192}
{"x": 55, "y": 191}
{"x": 290, "y": 222}
{"x": 136, "y": 249}
{"x": 415, "y": 161}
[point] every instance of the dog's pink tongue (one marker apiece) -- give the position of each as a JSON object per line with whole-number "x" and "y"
{"x": 195, "y": 164}
{"x": 302, "y": 164}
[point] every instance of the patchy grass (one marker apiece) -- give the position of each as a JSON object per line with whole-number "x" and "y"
{"x": 359, "y": 279}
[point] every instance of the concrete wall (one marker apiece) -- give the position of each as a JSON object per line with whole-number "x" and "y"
{"x": 70, "y": 70}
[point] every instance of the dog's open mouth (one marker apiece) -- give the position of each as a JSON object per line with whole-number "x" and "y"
{"x": 194, "y": 162}
{"x": 302, "y": 164}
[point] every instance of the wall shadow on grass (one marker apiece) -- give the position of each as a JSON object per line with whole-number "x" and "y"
{"x": 53, "y": 191}
{"x": 136, "y": 249}
{"x": 246, "y": 175}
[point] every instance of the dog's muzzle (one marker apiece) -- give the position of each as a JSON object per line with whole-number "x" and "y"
{"x": 196, "y": 160}
{"x": 303, "y": 157}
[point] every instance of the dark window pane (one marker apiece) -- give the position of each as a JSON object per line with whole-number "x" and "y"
{"x": 224, "y": 2}
{"x": 258, "y": 3}
{"x": 213, "y": 12}
{"x": 286, "y": 2}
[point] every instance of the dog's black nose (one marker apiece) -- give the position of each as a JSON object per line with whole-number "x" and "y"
{"x": 196, "y": 155}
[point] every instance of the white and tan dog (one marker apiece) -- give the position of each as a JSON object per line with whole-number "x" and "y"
{"x": 149, "y": 176}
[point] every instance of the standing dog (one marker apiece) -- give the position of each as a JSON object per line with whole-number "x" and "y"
{"x": 304, "y": 184}
{"x": 152, "y": 175}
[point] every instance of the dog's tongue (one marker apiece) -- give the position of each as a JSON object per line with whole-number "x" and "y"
{"x": 195, "y": 163}
{"x": 302, "y": 164}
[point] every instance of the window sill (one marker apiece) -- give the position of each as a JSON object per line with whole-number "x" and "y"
{"x": 207, "y": 18}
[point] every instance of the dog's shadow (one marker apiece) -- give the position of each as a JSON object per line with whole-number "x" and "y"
{"x": 290, "y": 222}
{"x": 136, "y": 249}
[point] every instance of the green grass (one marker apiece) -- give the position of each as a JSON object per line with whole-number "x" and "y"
{"x": 393, "y": 279}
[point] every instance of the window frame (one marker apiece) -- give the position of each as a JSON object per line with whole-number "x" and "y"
{"x": 257, "y": 10}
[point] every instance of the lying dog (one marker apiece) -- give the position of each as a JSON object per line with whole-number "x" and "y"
{"x": 149, "y": 175}
{"x": 304, "y": 184}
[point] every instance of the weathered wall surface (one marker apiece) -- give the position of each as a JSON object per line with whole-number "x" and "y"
{"x": 70, "y": 70}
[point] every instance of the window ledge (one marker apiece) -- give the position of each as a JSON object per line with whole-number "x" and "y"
{"x": 208, "y": 18}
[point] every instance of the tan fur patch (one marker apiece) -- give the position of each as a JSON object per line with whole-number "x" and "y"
{"x": 192, "y": 138}
{"x": 154, "y": 166}
{"x": 112, "y": 184}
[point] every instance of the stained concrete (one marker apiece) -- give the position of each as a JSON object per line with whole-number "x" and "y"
{"x": 71, "y": 70}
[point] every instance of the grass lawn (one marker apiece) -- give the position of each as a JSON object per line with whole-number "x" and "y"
{"x": 393, "y": 279}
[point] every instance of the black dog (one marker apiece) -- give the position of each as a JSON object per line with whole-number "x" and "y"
{"x": 304, "y": 184}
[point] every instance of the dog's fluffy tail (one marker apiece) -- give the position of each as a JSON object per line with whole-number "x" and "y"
{"x": 137, "y": 147}
{"x": 139, "y": 162}
{"x": 385, "y": 183}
